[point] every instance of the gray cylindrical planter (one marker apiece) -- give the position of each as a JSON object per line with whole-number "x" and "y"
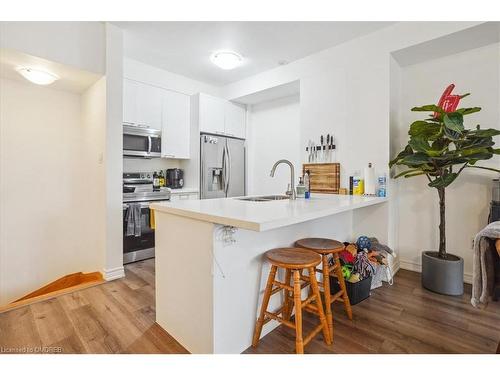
{"x": 444, "y": 276}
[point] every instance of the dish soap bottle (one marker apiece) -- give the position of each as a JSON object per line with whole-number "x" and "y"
{"x": 358, "y": 184}
{"x": 301, "y": 188}
{"x": 307, "y": 184}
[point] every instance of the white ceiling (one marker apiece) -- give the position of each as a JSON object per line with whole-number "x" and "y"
{"x": 70, "y": 78}
{"x": 185, "y": 47}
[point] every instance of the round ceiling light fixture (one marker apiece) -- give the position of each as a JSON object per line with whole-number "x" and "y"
{"x": 226, "y": 60}
{"x": 40, "y": 77}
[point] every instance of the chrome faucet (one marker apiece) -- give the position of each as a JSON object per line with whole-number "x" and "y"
{"x": 291, "y": 187}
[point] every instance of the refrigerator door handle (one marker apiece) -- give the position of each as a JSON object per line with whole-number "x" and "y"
{"x": 224, "y": 169}
{"x": 228, "y": 169}
{"x": 202, "y": 175}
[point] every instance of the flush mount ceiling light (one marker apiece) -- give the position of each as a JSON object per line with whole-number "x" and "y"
{"x": 226, "y": 59}
{"x": 37, "y": 76}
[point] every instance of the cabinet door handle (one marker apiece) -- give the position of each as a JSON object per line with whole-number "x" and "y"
{"x": 169, "y": 155}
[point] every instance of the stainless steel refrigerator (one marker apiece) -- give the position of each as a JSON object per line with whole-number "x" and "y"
{"x": 222, "y": 166}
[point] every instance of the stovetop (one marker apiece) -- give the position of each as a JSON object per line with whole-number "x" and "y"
{"x": 146, "y": 196}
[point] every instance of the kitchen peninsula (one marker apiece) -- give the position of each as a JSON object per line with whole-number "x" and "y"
{"x": 210, "y": 273}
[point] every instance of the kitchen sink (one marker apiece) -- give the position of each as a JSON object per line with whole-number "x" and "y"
{"x": 265, "y": 198}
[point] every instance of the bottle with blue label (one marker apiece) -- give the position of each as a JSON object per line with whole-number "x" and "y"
{"x": 382, "y": 186}
{"x": 307, "y": 184}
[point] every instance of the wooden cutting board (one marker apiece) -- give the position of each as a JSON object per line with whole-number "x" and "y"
{"x": 325, "y": 177}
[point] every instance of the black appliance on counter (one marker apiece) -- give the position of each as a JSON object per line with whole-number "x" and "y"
{"x": 175, "y": 178}
{"x": 138, "y": 190}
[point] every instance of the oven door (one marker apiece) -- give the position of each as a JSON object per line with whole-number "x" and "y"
{"x": 141, "y": 247}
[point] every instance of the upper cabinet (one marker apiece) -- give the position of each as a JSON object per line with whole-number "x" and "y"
{"x": 219, "y": 116}
{"x": 235, "y": 120}
{"x": 212, "y": 111}
{"x": 142, "y": 104}
{"x": 176, "y": 125}
{"x": 157, "y": 108}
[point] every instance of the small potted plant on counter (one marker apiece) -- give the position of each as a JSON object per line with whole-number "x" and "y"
{"x": 440, "y": 148}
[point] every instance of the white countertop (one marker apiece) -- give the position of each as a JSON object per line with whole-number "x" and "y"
{"x": 261, "y": 216}
{"x": 186, "y": 190}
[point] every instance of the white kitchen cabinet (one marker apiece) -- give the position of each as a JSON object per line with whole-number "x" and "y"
{"x": 219, "y": 116}
{"x": 211, "y": 115}
{"x": 130, "y": 90}
{"x": 175, "y": 125}
{"x": 142, "y": 104}
{"x": 235, "y": 120}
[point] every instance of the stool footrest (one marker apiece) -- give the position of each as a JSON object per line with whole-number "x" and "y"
{"x": 280, "y": 319}
{"x": 280, "y": 286}
{"x": 337, "y": 296}
{"x": 308, "y": 300}
{"x": 314, "y": 332}
{"x": 312, "y": 309}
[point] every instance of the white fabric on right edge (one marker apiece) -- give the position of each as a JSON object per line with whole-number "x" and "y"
{"x": 483, "y": 272}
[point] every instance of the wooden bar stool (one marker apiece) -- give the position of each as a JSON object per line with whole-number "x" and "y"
{"x": 325, "y": 247}
{"x": 294, "y": 261}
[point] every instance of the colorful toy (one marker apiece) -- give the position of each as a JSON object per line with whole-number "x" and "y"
{"x": 352, "y": 249}
{"x": 363, "y": 243}
{"x": 346, "y": 271}
{"x": 354, "y": 278}
{"x": 363, "y": 266}
{"x": 347, "y": 257}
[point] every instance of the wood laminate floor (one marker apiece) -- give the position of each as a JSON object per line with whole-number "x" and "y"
{"x": 114, "y": 317}
{"x": 119, "y": 317}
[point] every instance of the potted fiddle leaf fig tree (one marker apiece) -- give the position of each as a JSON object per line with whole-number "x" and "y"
{"x": 441, "y": 148}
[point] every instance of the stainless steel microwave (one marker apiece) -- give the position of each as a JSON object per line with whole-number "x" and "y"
{"x": 142, "y": 142}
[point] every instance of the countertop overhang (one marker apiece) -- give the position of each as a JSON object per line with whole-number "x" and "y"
{"x": 262, "y": 216}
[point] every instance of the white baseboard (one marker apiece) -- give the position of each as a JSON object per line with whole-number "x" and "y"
{"x": 416, "y": 267}
{"x": 114, "y": 273}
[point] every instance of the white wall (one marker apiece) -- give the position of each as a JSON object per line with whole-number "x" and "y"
{"x": 51, "y": 212}
{"x": 114, "y": 153}
{"x": 78, "y": 44}
{"x": 273, "y": 133}
{"x": 468, "y": 198}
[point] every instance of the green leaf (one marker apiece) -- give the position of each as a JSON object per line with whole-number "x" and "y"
{"x": 486, "y": 168}
{"x": 479, "y": 156}
{"x": 483, "y": 133}
{"x": 468, "y": 111}
{"x": 416, "y": 159}
{"x": 496, "y": 151}
{"x": 476, "y": 142}
{"x": 406, "y": 172}
{"x": 451, "y": 134}
{"x": 415, "y": 174}
{"x": 443, "y": 181}
{"x": 418, "y": 144}
{"x": 454, "y": 121}
{"x": 407, "y": 151}
{"x": 472, "y": 151}
{"x": 428, "y": 108}
{"x": 427, "y": 130}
